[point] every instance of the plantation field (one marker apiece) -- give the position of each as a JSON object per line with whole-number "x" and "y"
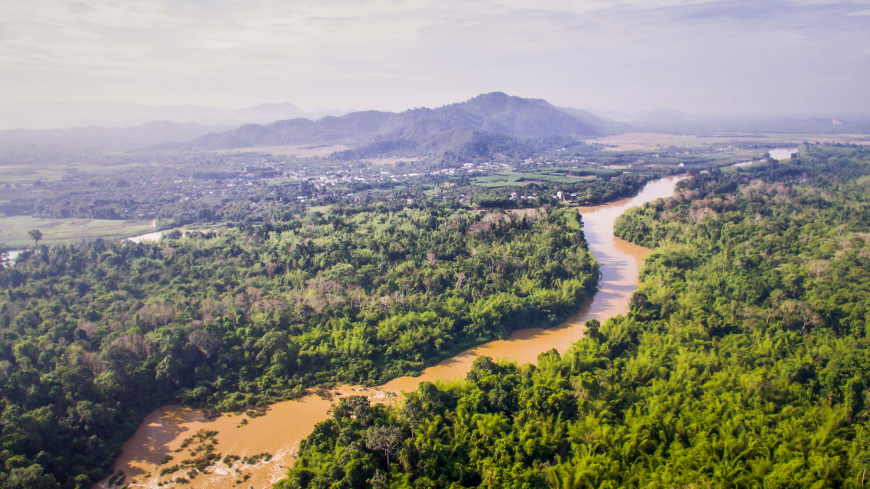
{"x": 13, "y": 230}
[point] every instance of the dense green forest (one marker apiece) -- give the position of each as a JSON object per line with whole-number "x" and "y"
{"x": 94, "y": 336}
{"x": 743, "y": 361}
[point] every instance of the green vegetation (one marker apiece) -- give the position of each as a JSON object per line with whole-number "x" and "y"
{"x": 603, "y": 186}
{"x": 93, "y": 336}
{"x": 326, "y": 269}
{"x": 744, "y": 360}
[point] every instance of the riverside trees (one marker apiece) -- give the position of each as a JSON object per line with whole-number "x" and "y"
{"x": 743, "y": 361}
{"x": 93, "y": 336}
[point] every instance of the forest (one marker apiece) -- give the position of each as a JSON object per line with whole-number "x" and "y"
{"x": 95, "y": 335}
{"x": 742, "y": 362}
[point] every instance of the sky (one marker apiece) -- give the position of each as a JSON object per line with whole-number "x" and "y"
{"x": 782, "y": 57}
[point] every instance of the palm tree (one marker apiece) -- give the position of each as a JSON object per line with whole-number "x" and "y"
{"x": 35, "y": 235}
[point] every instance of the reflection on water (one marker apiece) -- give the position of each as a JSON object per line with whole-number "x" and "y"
{"x": 155, "y": 236}
{"x": 279, "y": 431}
{"x": 782, "y": 153}
{"x": 158, "y": 235}
{"x": 11, "y": 255}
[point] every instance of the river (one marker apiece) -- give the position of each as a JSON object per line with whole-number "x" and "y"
{"x": 777, "y": 153}
{"x": 279, "y": 431}
{"x": 782, "y": 153}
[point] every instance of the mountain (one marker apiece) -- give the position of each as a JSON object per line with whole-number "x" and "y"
{"x": 87, "y": 139}
{"x": 601, "y": 125}
{"x": 43, "y": 115}
{"x": 490, "y": 117}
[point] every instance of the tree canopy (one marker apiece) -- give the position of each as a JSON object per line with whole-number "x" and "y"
{"x": 743, "y": 361}
{"x": 94, "y": 336}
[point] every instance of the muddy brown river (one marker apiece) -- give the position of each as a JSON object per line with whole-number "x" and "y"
{"x": 278, "y": 432}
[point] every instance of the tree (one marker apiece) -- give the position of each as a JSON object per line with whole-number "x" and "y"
{"x": 355, "y": 407}
{"x": 28, "y": 478}
{"x": 386, "y": 438}
{"x": 35, "y": 235}
{"x": 205, "y": 341}
{"x": 413, "y": 414}
{"x": 593, "y": 328}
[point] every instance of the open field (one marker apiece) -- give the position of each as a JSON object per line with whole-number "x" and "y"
{"x": 521, "y": 179}
{"x": 638, "y": 141}
{"x": 318, "y": 208}
{"x": 27, "y": 172}
{"x": 303, "y": 151}
{"x": 13, "y": 230}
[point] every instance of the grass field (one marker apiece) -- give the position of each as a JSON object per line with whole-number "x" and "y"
{"x": 27, "y": 172}
{"x": 514, "y": 179}
{"x": 13, "y": 230}
{"x": 15, "y": 173}
{"x": 323, "y": 209}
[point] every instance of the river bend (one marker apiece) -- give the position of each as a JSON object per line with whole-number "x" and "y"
{"x": 279, "y": 431}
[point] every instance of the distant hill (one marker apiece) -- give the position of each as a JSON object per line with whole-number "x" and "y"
{"x": 678, "y": 122}
{"x": 44, "y": 115}
{"x": 498, "y": 119}
{"x": 601, "y": 125}
{"x": 102, "y": 139}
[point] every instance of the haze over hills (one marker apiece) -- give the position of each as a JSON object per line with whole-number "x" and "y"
{"x": 490, "y": 124}
{"x": 489, "y": 119}
{"x": 40, "y": 116}
{"x": 679, "y": 122}
{"x": 753, "y": 125}
{"x": 101, "y": 139}
{"x": 484, "y": 126}
{"x": 602, "y": 125}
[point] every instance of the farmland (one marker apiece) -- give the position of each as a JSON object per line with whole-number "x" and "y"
{"x": 57, "y": 231}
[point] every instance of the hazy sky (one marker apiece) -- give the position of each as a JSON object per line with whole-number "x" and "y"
{"x": 801, "y": 56}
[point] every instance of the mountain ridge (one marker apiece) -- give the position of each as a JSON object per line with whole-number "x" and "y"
{"x": 491, "y": 116}
{"x": 95, "y": 138}
{"x": 50, "y": 116}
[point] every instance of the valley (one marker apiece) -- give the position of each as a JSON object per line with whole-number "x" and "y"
{"x": 434, "y": 245}
{"x": 207, "y": 312}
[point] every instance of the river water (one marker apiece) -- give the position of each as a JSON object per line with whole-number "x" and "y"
{"x": 153, "y": 236}
{"x": 782, "y": 153}
{"x": 279, "y": 431}
{"x": 776, "y": 153}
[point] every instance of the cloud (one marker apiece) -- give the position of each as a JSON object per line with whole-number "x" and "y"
{"x": 80, "y": 7}
{"x": 623, "y": 54}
